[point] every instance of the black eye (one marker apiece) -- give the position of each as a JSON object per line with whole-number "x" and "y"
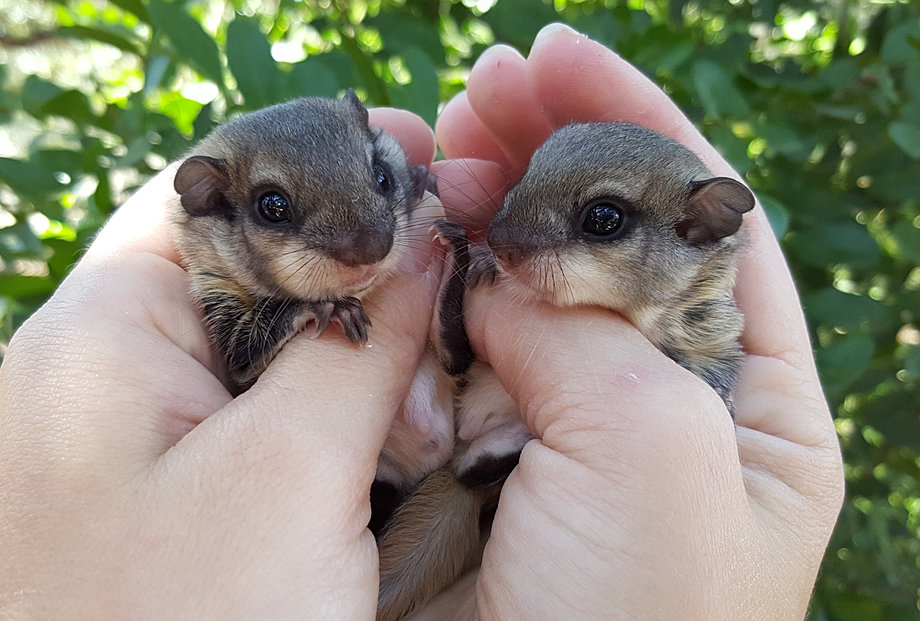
{"x": 382, "y": 179}
{"x": 274, "y": 207}
{"x": 603, "y": 220}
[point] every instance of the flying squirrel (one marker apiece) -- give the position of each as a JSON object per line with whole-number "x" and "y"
{"x": 607, "y": 214}
{"x": 288, "y": 216}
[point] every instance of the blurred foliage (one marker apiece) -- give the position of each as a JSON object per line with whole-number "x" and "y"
{"x": 816, "y": 103}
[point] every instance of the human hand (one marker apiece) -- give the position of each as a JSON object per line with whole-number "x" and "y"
{"x": 133, "y": 486}
{"x": 639, "y": 499}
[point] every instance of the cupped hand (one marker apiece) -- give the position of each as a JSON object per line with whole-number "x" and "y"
{"x": 639, "y": 498}
{"x": 133, "y": 486}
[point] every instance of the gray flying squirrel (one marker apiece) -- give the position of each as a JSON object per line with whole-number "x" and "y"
{"x": 290, "y": 215}
{"x": 607, "y": 214}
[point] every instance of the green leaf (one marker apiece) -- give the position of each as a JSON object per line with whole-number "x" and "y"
{"x": 912, "y": 366}
{"x": 664, "y": 51}
{"x": 64, "y": 257}
{"x": 777, "y": 214}
{"x": 19, "y": 286}
{"x": 601, "y": 26}
{"x": 907, "y": 237}
{"x": 732, "y": 148}
{"x": 72, "y": 105}
{"x": 783, "y": 138}
{"x": 189, "y": 39}
{"x": 518, "y": 21}
{"x": 835, "y": 308}
{"x": 116, "y": 38}
{"x": 897, "y": 47}
{"x": 133, "y": 6}
{"x": 401, "y": 32}
{"x": 843, "y": 361}
{"x": 204, "y": 122}
{"x": 421, "y": 94}
{"x": 26, "y": 178}
{"x": 716, "y": 92}
{"x": 846, "y": 243}
{"x": 36, "y": 93}
{"x": 249, "y": 58}
{"x": 18, "y": 241}
{"x": 907, "y": 137}
{"x": 157, "y": 65}
{"x": 312, "y": 77}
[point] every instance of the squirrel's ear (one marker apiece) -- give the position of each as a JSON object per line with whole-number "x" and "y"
{"x": 423, "y": 181}
{"x": 351, "y": 98}
{"x": 714, "y": 210}
{"x": 201, "y": 182}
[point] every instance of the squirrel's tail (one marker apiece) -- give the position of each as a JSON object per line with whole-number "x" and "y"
{"x": 429, "y": 541}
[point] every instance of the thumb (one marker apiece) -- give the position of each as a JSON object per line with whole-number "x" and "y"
{"x": 591, "y": 386}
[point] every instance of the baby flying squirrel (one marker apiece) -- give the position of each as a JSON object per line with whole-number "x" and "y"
{"x": 607, "y": 214}
{"x": 291, "y": 214}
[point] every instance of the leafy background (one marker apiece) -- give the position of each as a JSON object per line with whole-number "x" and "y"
{"x": 816, "y": 103}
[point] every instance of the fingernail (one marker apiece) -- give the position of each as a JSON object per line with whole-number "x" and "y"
{"x": 500, "y": 49}
{"x": 419, "y": 246}
{"x": 551, "y": 29}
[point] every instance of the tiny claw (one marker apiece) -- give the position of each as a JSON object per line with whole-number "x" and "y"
{"x": 354, "y": 320}
{"x": 449, "y": 233}
{"x": 322, "y": 313}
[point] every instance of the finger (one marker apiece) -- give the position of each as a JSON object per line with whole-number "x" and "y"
{"x": 618, "y": 426}
{"x": 472, "y": 191}
{"x": 498, "y": 94}
{"x": 118, "y": 354}
{"x": 461, "y": 134}
{"x": 577, "y": 371}
{"x": 413, "y": 134}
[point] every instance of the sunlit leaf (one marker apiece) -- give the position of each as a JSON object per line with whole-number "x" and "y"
{"x": 133, "y": 6}
{"x": 19, "y": 286}
{"x": 420, "y": 95}
{"x": 118, "y": 39}
{"x": 249, "y": 58}
{"x": 187, "y": 36}
{"x": 717, "y": 94}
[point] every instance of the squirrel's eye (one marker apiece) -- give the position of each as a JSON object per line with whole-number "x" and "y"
{"x": 382, "y": 179}
{"x": 603, "y": 220}
{"x": 274, "y": 207}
